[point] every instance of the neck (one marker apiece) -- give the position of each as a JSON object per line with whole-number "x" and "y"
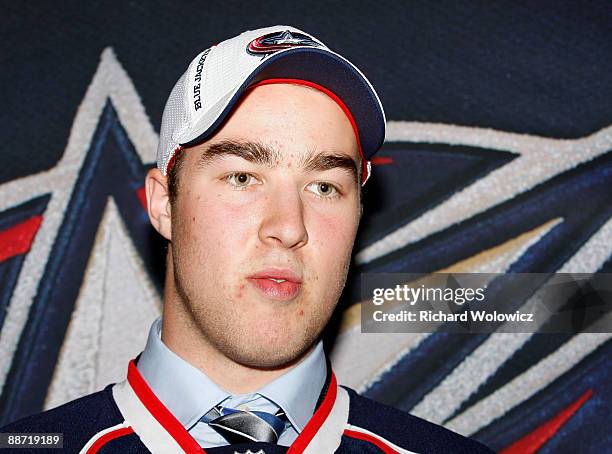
{"x": 181, "y": 334}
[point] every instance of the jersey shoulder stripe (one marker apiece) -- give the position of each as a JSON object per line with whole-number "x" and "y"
{"x": 96, "y": 442}
{"x": 79, "y": 420}
{"x": 383, "y": 444}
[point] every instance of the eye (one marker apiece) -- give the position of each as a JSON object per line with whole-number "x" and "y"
{"x": 323, "y": 189}
{"x": 240, "y": 180}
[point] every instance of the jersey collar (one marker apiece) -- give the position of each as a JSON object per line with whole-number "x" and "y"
{"x": 160, "y": 431}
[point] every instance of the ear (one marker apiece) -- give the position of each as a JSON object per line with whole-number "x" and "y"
{"x": 158, "y": 202}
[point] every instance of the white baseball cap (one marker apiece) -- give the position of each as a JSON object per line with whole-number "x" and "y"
{"x": 217, "y": 77}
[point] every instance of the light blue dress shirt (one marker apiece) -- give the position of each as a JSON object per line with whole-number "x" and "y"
{"x": 189, "y": 394}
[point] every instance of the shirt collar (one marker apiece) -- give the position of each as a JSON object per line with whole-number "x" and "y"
{"x": 188, "y": 393}
{"x": 297, "y": 391}
{"x": 183, "y": 389}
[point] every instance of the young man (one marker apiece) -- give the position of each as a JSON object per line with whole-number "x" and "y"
{"x": 264, "y": 144}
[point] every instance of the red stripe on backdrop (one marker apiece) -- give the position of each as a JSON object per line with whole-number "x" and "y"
{"x": 17, "y": 240}
{"x": 381, "y": 160}
{"x": 142, "y": 197}
{"x": 533, "y": 441}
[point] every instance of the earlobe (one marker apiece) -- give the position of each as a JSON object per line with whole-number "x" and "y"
{"x": 158, "y": 202}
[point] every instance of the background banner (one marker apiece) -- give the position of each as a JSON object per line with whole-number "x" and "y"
{"x": 486, "y": 303}
{"x": 497, "y": 159}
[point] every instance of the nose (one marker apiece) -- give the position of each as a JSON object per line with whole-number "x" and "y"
{"x": 283, "y": 222}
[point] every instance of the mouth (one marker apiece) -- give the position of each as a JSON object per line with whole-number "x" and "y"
{"x": 277, "y": 284}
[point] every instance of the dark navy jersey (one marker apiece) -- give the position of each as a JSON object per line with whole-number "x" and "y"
{"x": 128, "y": 418}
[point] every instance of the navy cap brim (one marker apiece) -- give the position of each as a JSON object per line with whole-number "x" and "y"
{"x": 329, "y": 70}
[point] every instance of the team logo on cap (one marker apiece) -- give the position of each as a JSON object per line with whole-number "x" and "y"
{"x": 273, "y": 42}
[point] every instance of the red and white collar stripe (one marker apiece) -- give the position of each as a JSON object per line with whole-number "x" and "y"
{"x": 96, "y": 442}
{"x": 161, "y": 432}
{"x": 382, "y": 443}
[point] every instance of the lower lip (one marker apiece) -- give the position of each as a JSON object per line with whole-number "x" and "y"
{"x": 282, "y": 291}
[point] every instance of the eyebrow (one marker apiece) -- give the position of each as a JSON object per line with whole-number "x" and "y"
{"x": 254, "y": 152}
{"x": 258, "y": 153}
{"x": 320, "y": 161}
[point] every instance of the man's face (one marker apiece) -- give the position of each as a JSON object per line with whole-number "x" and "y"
{"x": 270, "y": 197}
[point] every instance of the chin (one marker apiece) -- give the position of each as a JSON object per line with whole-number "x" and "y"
{"x": 272, "y": 355}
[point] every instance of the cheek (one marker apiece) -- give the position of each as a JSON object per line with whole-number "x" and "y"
{"x": 332, "y": 238}
{"x": 212, "y": 230}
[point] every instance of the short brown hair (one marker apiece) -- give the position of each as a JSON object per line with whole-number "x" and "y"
{"x": 173, "y": 175}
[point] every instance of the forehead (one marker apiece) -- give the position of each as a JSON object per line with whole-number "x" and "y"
{"x": 293, "y": 119}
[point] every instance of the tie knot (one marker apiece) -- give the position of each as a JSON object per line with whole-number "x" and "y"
{"x": 238, "y": 426}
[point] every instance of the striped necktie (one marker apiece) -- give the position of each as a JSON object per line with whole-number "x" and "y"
{"x": 238, "y": 426}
